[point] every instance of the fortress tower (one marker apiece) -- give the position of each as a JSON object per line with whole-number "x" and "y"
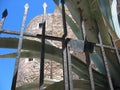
{"x": 29, "y": 67}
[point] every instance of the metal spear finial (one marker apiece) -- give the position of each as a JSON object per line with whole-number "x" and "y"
{"x": 19, "y": 48}
{"x": 44, "y": 10}
{"x": 26, "y": 6}
{"x": 4, "y": 15}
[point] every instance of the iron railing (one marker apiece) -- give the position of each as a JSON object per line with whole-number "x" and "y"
{"x": 67, "y": 43}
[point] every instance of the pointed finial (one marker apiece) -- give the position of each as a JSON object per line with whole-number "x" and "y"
{"x": 26, "y": 6}
{"x": 44, "y": 7}
{"x": 5, "y": 13}
{"x": 44, "y": 11}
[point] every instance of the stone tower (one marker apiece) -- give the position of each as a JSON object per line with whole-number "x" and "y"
{"x": 29, "y": 67}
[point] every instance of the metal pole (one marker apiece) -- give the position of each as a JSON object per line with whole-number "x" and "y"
{"x": 19, "y": 48}
{"x": 64, "y": 55}
{"x": 51, "y": 38}
{"x": 41, "y": 82}
{"x": 65, "y": 65}
{"x": 42, "y": 58}
{"x": 64, "y": 19}
{"x": 69, "y": 68}
{"x": 64, "y": 51}
{"x": 44, "y": 11}
{"x": 1, "y": 24}
{"x": 106, "y": 64}
{"x": 116, "y": 49}
{"x": 92, "y": 84}
{"x": 88, "y": 48}
{"x": 51, "y": 69}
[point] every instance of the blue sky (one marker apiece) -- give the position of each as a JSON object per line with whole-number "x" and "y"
{"x": 13, "y": 22}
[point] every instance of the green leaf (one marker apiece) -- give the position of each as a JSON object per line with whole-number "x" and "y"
{"x": 80, "y": 9}
{"x": 106, "y": 10}
{"x": 77, "y": 84}
{"x": 50, "y": 85}
{"x": 52, "y": 53}
{"x": 98, "y": 13}
{"x": 113, "y": 66}
{"x": 94, "y": 19}
{"x": 119, "y": 19}
{"x": 28, "y": 45}
{"x": 77, "y": 29}
{"x": 99, "y": 78}
{"x": 78, "y": 66}
{"x": 35, "y": 85}
{"x": 56, "y": 2}
{"x": 98, "y": 61}
{"x": 105, "y": 22}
